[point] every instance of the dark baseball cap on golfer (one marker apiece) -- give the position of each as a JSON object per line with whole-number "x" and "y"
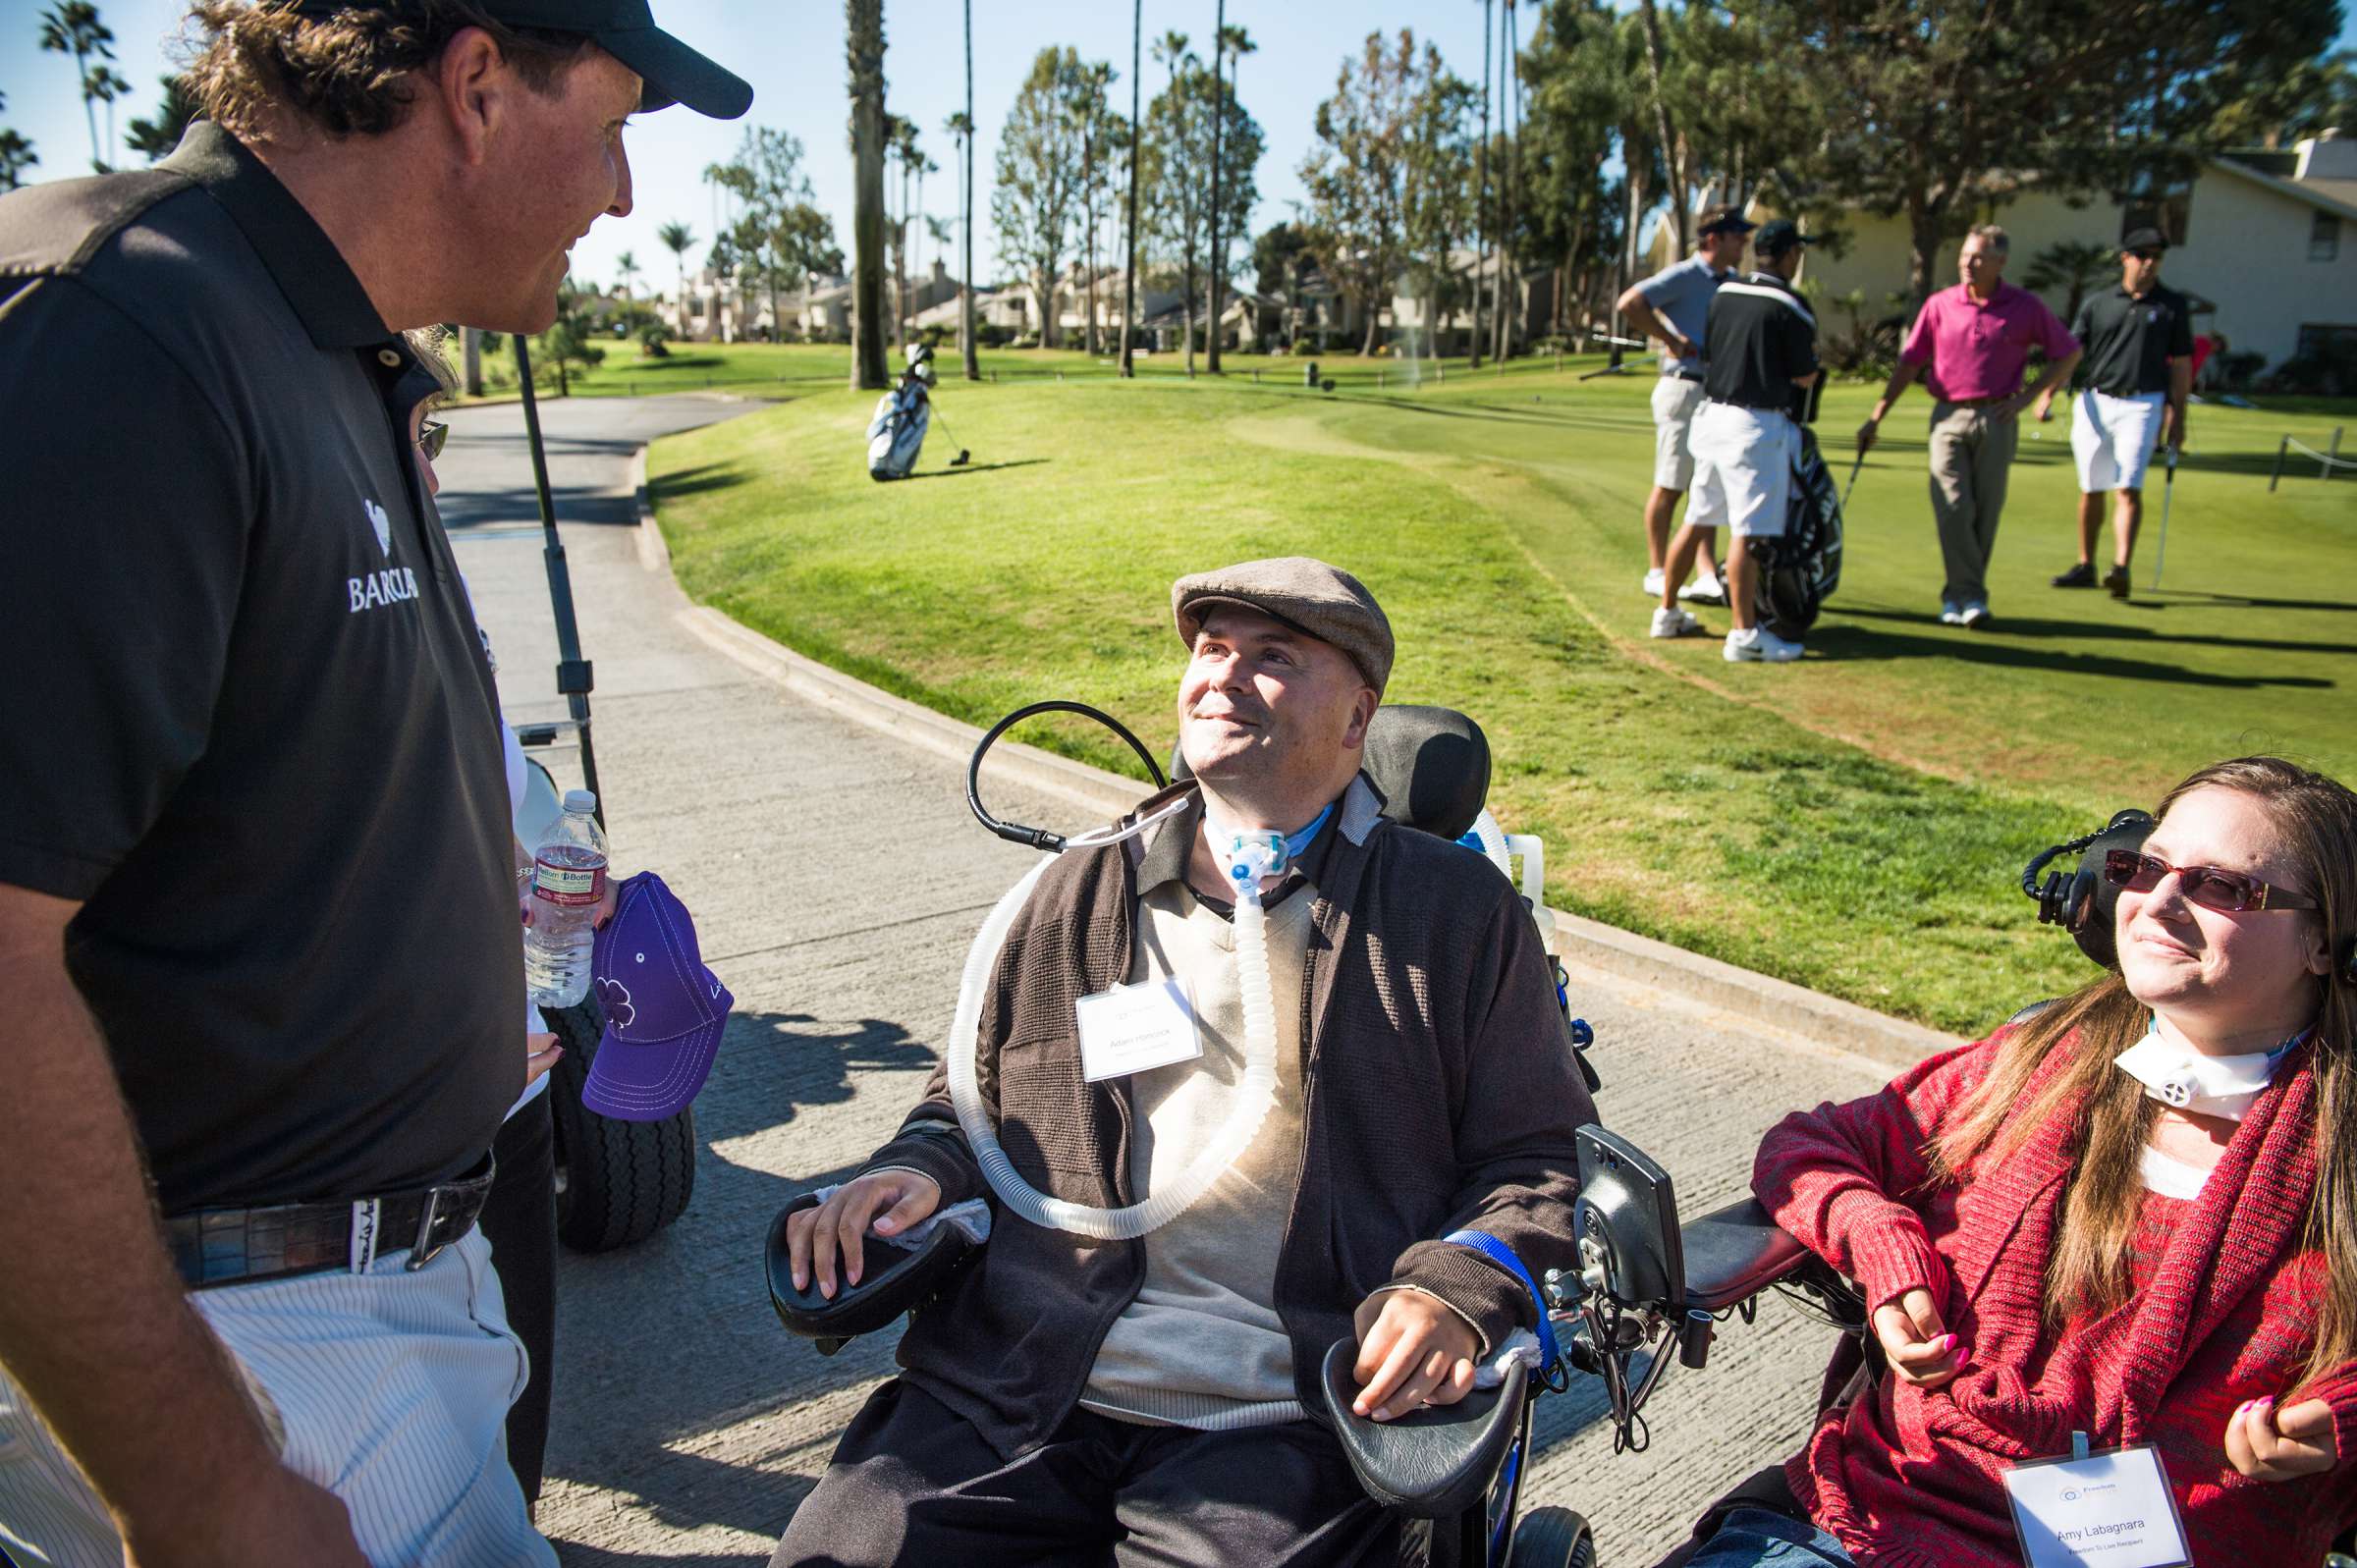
{"x": 1310, "y": 596}
{"x": 664, "y": 1009}
{"x": 1777, "y": 236}
{"x": 2146, "y": 238}
{"x": 1727, "y": 219}
{"x": 668, "y": 70}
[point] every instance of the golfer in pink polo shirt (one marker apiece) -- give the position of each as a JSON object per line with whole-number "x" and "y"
{"x": 1970, "y": 344}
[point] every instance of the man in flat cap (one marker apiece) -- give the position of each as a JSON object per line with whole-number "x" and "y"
{"x": 257, "y": 910}
{"x": 1157, "y": 1399}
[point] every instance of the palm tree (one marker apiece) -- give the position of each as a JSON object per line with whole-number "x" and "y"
{"x": 16, "y": 156}
{"x": 105, "y": 84}
{"x": 676, "y": 237}
{"x": 965, "y": 287}
{"x": 1170, "y": 50}
{"x": 625, "y": 268}
{"x": 72, "y": 26}
{"x": 1235, "y": 43}
{"x": 1481, "y": 189}
{"x": 1137, "y": 34}
{"x": 2073, "y": 266}
{"x": 864, "y": 46}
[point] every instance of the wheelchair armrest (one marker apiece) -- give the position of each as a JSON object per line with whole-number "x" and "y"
{"x": 1734, "y": 1253}
{"x": 1434, "y": 1463}
{"x": 891, "y": 1280}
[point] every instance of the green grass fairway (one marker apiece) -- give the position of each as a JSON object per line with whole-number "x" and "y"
{"x": 1856, "y": 823}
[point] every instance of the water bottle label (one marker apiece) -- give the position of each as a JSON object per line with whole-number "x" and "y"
{"x": 571, "y": 885}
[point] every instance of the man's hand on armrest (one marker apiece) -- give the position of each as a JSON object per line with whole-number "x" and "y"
{"x": 1413, "y": 1349}
{"x": 889, "y": 1200}
{"x": 95, "y": 1324}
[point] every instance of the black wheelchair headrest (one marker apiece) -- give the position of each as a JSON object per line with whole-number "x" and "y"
{"x": 1432, "y": 766}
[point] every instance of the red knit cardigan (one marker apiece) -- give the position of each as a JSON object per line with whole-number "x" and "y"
{"x": 1909, "y": 1479}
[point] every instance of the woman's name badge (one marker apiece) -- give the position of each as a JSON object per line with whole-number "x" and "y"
{"x": 2110, "y": 1509}
{"x": 1135, "y": 1028}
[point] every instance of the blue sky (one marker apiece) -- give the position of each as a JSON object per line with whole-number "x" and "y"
{"x": 793, "y": 54}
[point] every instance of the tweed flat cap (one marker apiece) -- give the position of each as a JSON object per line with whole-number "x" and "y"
{"x": 1325, "y": 602}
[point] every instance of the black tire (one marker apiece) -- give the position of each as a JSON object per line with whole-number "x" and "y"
{"x": 1552, "y": 1538}
{"x": 618, "y": 1182}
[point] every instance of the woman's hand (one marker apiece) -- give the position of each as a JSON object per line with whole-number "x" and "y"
{"x": 540, "y": 1053}
{"x": 1915, "y": 1342}
{"x": 1413, "y": 1349}
{"x": 2268, "y": 1444}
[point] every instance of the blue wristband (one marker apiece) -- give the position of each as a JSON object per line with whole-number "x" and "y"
{"x": 1499, "y": 1253}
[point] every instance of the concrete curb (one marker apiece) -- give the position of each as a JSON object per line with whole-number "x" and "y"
{"x": 1777, "y": 1003}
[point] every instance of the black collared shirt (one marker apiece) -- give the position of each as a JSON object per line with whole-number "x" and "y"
{"x": 1759, "y": 337}
{"x": 247, "y": 721}
{"x": 2131, "y": 340}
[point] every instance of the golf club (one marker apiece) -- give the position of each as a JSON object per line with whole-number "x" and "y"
{"x": 2168, "y": 492}
{"x": 1853, "y": 482}
{"x": 964, "y": 455}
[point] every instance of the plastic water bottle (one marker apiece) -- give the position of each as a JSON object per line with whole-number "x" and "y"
{"x": 568, "y": 878}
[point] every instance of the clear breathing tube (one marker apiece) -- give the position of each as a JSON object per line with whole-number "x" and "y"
{"x": 1247, "y": 857}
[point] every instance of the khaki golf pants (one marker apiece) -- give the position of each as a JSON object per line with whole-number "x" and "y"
{"x": 1970, "y": 455}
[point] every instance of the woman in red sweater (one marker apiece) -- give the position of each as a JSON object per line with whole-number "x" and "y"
{"x": 2133, "y": 1217}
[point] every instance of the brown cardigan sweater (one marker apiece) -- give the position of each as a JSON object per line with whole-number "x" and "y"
{"x": 1441, "y": 1094}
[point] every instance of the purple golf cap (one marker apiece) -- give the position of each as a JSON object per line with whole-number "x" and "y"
{"x": 664, "y": 1009}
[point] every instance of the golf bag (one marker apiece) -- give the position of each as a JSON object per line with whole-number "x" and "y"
{"x": 1800, "y": 571}
{"x": 897, "y": 434}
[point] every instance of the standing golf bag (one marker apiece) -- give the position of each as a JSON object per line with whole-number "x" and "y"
{"x": 897, "y": 434}
{"x": 1801, "y": 569}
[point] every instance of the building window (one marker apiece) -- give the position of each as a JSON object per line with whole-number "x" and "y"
{"x": 2323, "y": 236}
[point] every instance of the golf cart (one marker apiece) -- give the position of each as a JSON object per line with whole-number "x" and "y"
{"x": 618, "y": 1182}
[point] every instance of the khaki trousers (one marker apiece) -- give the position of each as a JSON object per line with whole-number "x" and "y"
{"x": 1970, "y": 456}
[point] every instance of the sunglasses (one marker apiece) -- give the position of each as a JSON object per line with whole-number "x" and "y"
{"x": 2206, "y": 886}
{"x": 2146, "y": 256}
{"x": 430, "y": 437}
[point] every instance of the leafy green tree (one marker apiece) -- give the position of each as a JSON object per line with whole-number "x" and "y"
{"x": 676, "y": 236}
{"x": 1932, "y": 112}
{"x": 1100, "y": 131}
{"x": 626, "y": 275}
{"x": 1356, "y": 176}
{"x": 16, "y": 154}
{"x": 1581, "y": 110}
{"x": 1436, "y": 207}
{"x": 1234, "y": 43}
{"x": 1181, "y": 173}
{"x": 72, "y": 26}
{"x": 780, "y": 236}
{"x": 1137, "y": 36}
{"x": 155, "y": 138}
{"x": 1037, "y": 199}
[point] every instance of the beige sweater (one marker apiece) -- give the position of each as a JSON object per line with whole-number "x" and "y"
{"x": 1201, "y": 1346}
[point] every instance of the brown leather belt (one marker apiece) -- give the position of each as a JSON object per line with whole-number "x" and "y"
{"x": 213, "y": 1247}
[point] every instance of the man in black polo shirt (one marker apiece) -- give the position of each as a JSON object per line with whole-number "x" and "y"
{"x": 258, "y": 912}
{"x": 2137, "y": 375}
{"x": 1760, "y": 352}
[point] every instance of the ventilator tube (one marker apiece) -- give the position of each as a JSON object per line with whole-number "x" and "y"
{"x": 1248, "y": 858}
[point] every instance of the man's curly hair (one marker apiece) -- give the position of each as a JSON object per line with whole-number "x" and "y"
{"x": 345, "y": 72}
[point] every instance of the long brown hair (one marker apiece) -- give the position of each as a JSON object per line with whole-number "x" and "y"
{"x": 2314, "y": 821}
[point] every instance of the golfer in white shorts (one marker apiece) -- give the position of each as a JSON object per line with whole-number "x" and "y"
{"x": 1760, "y": 348}
{"x": 2139, "y": 373}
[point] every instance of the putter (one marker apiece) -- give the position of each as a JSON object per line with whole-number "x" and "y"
{"x": 1853, "y": 483}
{"x": 963, "y": 457}
{"x": 2168, "y": 492}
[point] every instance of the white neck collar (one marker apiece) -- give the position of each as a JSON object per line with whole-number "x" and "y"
{"x": 2187, "y": 1079}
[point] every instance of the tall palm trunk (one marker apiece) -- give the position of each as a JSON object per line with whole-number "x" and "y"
{"x": 1481, "y": 188}
{"x": 1137, "y": 36}
{"x": 1219, "y": 38}
{"x": 965, "y": 287}
{"x": 865, "y": 42}
{"x": 1510, "y": 291}
{"x": 1673, "y": 162}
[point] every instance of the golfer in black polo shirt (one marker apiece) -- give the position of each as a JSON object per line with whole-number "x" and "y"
{"x": 1760, "y": 350}
{"x": 2136, "y": 378}
{"x": 257, "y": 922}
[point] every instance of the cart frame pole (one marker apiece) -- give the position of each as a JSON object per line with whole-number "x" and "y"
{"x": 575, "y": 676}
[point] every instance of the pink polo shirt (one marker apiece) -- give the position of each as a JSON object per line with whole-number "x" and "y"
{"x": 1977, "y": 350}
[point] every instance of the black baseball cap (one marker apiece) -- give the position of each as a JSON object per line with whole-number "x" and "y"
{"x": 670, "y": 72}
{"x": 2146, "y": 238}
{"x": 1727, "y": 219}
{"x": 1777, "y": 236}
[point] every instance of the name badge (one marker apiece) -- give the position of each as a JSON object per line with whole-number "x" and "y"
{"x": 2110, "y": 1509}
{"x": 1134, "y": 1028}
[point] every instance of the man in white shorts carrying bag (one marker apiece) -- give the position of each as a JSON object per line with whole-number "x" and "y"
{"x": 1760, "y": 349}
{"x": 2139, "y": 374}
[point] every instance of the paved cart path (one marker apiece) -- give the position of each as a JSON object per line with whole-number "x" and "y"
{"x": 837, "y": 879}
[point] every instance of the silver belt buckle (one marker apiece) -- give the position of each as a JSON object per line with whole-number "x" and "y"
{"x": 424, "y": 1250}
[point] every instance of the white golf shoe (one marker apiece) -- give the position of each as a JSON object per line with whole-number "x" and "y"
{"x": 1674, "y": 624}
{"x": 1759, "y": 643}
{"x": 1653, "y": 583}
